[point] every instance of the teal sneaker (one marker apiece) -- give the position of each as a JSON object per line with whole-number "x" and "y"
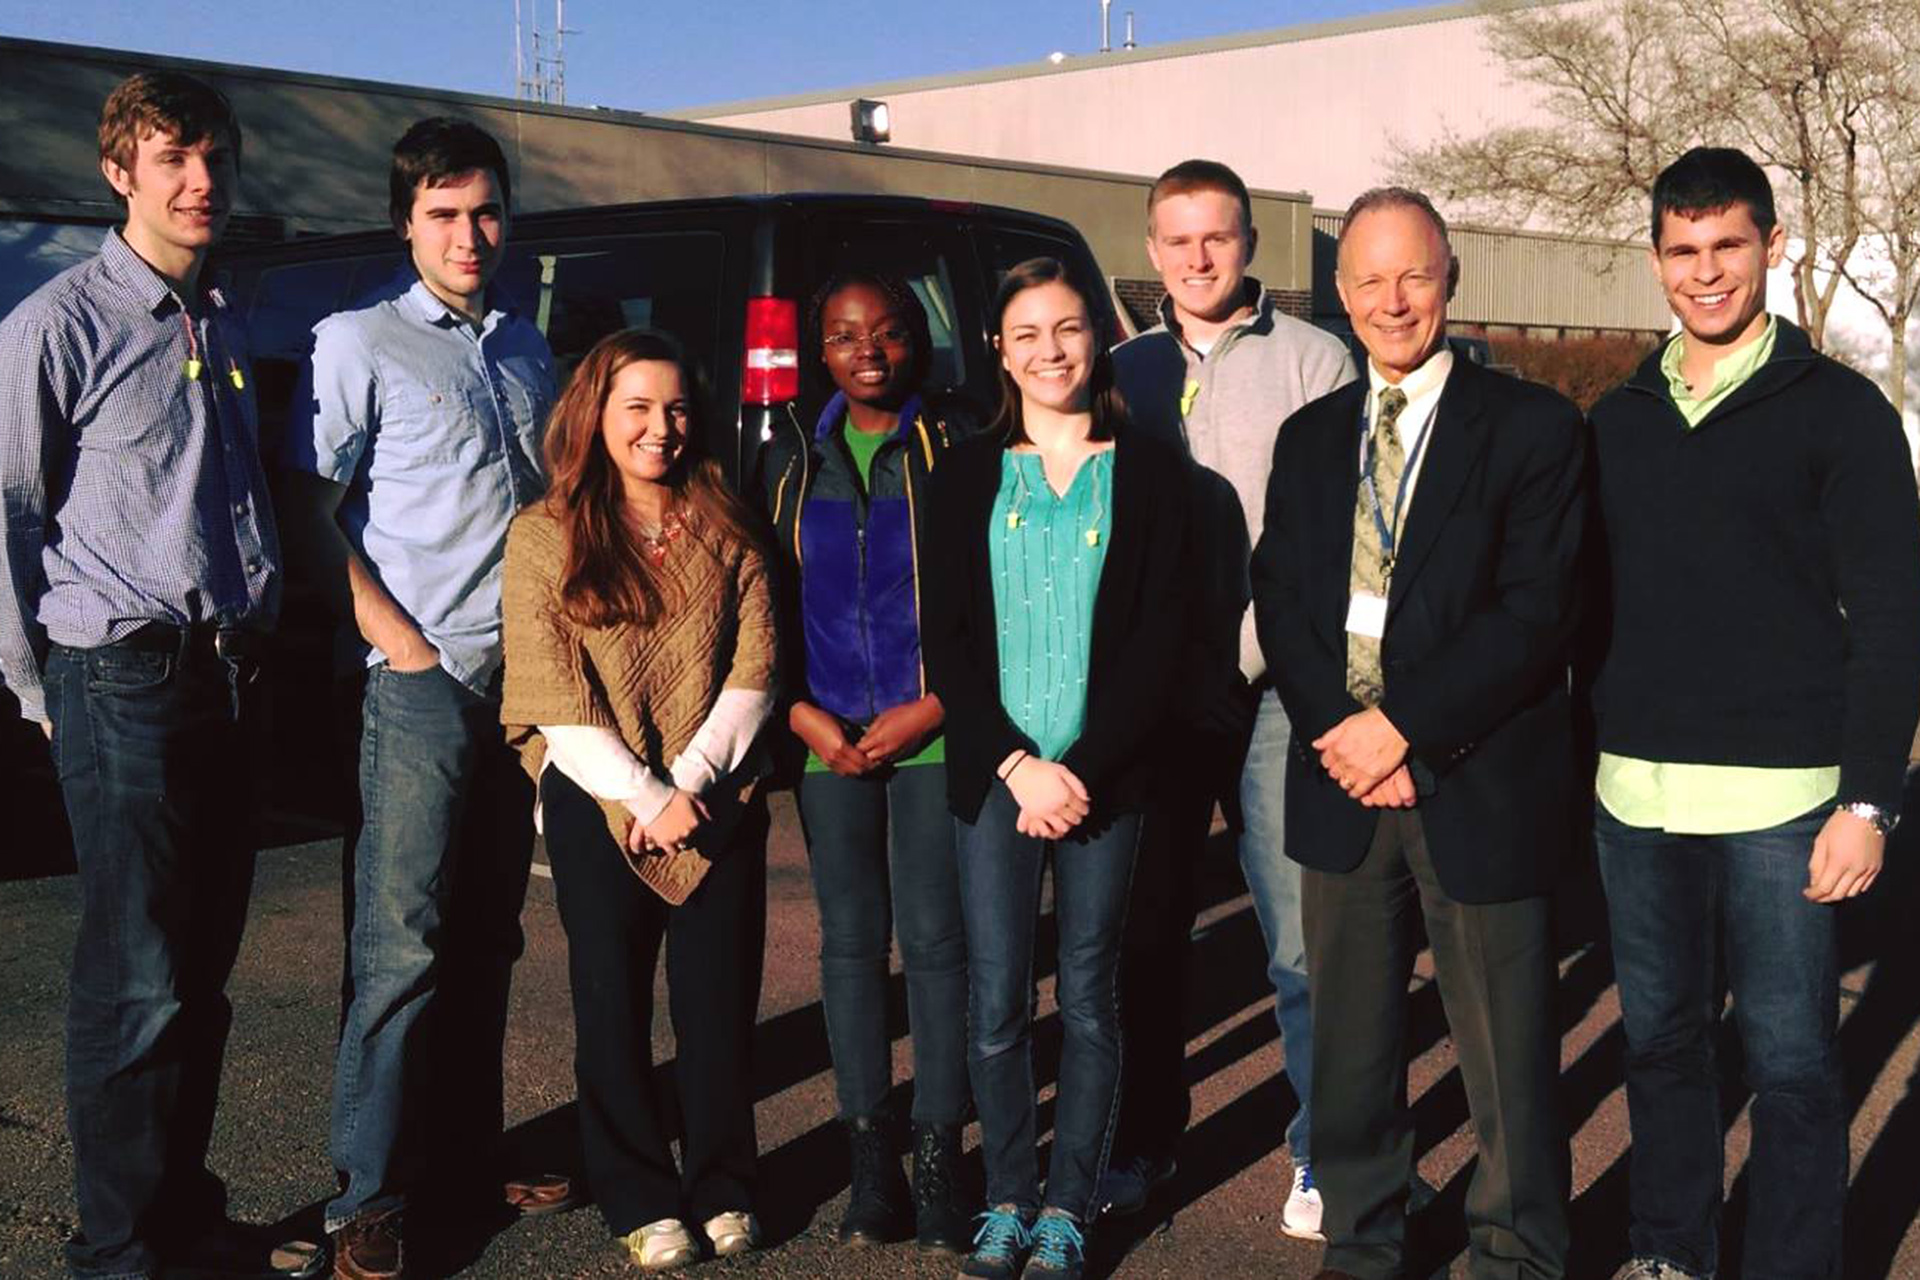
{"x": 1000, "y": 1245}
{"x": 1059, "y": 1250}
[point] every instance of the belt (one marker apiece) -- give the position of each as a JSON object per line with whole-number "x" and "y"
{"x": 229, "y": 644}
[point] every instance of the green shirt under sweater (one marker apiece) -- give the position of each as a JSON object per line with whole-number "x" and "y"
{"x": 863, "y": 446}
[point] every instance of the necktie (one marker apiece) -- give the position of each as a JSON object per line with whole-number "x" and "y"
{"x": 1369, "y": 569}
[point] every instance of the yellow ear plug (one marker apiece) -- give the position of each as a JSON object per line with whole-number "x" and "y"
{"x": 238, "y": 378}
{"x": 192, "y": 369}
{"x": 1188, "y": 394}
{"x": 1093, "y": 537}
{"x": 1013, "y": 519}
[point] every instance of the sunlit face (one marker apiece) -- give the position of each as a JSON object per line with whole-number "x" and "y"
{"x": 456, "y": 233}
{"x": 1047, "y": 347}
{"x": 1200, "y": 244}
{"x": 1713, "y": 266}
{"x": 644, "y": 424}
{"x": 179, "y": 196}
{"x": 867, "y": 346}
{"x": 1394, "y": 278}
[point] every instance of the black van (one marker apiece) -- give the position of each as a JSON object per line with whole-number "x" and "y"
{"x": 727, "y": 276}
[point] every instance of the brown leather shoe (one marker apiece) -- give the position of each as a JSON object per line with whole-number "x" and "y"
{"x": 541, "y": 1193}
{"x": 369, "y": 1247}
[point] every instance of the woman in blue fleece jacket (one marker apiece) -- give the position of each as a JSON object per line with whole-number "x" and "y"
{"x": 846, "y": 502}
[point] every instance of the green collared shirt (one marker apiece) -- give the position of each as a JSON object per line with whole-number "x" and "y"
{"x": 1710, "y": 799}
{"x": 1729, "y": 373}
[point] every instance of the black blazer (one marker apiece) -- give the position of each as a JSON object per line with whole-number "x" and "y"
{"x": 1139, "y": 623}
{"x": 1480, "y": 615}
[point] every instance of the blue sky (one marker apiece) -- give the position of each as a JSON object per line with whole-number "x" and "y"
{"x": 643, "y": 54}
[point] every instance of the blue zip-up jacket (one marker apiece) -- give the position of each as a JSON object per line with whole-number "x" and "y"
{"x": 850, "y": 554}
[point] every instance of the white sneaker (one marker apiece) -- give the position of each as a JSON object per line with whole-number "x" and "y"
{"x": 661, "y": 1246}
{"x": 734, "y": 1231}
{"x": 1300, "y": 1216}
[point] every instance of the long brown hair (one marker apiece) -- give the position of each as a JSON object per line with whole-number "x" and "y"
{"x": 607, "y": 578}
{"x": 1108, "y": 407}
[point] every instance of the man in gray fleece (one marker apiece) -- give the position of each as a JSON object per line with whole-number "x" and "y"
{"x": 1220, "y": 373}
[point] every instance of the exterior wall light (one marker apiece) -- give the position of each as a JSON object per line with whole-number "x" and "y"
{"x": 872, "y": 121}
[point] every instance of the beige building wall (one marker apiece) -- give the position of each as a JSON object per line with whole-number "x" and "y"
{"x": 1311, "y": 107}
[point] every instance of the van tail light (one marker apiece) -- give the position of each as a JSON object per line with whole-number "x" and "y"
{"x": 771, "y": 372}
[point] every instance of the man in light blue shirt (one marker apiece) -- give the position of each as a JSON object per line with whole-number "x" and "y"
{"x": 415, "y": 440}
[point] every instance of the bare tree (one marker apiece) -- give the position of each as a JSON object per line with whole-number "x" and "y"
{"x": 1624, "y": 86}
{"x": 1887, "y": 274}
{"x": 1788, "y": 81}
{"x": 1606, "y": 84}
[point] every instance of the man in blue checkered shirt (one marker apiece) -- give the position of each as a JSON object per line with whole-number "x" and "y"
{"x": 138, "y": 571}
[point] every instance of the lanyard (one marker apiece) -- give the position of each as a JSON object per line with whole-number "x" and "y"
{"x": 1389, "y": 532}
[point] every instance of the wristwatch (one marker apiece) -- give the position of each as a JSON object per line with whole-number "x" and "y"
{"x": 1881, "y": 820}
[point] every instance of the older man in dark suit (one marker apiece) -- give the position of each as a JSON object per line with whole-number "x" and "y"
{"x": 1414, "y": 592}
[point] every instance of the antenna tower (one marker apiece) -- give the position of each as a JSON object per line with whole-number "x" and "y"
{"x": 540, "y": 54}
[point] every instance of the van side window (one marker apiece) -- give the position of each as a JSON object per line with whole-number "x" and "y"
{"x": 33, "y": 252}
{"x": 288, "y": 301}
{"x": 579, "y": 291}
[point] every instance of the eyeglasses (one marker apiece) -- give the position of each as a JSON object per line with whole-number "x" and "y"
{"x": 844, "y": 342}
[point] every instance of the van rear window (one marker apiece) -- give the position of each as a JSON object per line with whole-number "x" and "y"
{"x": 581, "y": 290}
{"x": 1003, "y": 248}
{"x": 922, "y": 254}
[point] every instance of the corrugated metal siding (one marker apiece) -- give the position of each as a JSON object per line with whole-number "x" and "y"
{"x": 1529, "y": 279}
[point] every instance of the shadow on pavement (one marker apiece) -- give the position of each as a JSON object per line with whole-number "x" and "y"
{"x": 1229, "y": 995}
{"x": 39, "y": 841}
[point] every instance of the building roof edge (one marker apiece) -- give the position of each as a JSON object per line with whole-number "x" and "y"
{"x": 1093, "y": 62}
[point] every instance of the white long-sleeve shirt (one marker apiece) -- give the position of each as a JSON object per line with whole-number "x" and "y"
{"x": 601, "y": 764}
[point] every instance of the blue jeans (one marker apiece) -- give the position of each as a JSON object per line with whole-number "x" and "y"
{"x": 1274, "y": 881}
{"x": 881, "y": 848}
{"x": 1000, "y": 897}
{"x": 438, "y": 877}
{"x": 1669, "y": 897}
{"x": 152, "y": 768}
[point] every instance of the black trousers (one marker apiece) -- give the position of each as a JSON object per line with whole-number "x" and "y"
{"x": 714, "y": 941}
{"x": 1496, "y": 974}
{"x": 1156, "y": 959}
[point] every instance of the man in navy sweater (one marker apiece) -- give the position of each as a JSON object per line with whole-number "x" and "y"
{"x": 1759, "y": 677}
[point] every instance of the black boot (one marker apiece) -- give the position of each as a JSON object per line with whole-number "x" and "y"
{"x": 877, "y": 1209}
{"x": 941, "y": 1221}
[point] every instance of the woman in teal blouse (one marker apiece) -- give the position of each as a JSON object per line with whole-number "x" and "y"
{"x": 1050, "y": 629}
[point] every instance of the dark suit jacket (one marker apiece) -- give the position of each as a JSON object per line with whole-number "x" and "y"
{"x": 1479, "y": 618}
{"x": 1140, "y": 619}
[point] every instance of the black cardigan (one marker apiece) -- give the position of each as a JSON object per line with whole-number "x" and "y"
{"x": 1763, "y": 575}
{"x": 1140, "y": 619}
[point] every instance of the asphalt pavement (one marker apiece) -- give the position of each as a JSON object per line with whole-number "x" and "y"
{"x": 1218, "y": 1218}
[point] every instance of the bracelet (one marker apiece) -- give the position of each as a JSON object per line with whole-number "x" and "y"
{"x": 1015, "y": 765}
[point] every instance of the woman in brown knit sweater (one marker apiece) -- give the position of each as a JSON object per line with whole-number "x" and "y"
{"x": 639, "y": 668}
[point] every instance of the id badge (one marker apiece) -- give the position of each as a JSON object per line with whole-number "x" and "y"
{"x": 1367, "y": 615}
